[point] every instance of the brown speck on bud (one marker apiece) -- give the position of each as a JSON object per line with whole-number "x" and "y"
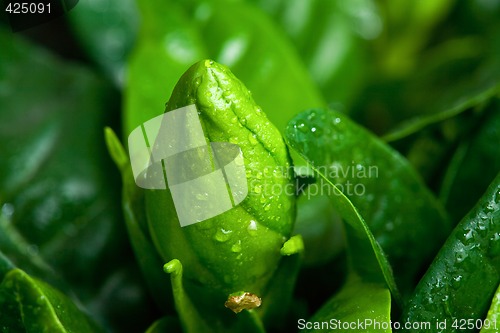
{"x": 241, "y": 301}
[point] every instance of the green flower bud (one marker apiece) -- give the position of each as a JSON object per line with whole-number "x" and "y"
{"x": 238, "y": 250}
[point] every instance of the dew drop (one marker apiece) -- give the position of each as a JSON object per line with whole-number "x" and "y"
{"x": 257, "y": 189}
{"x": 461, "y": 255}
{"x": 252, "y": 139}
{"x": 252, "y": 228}
{"x": 236, "y": 247}
{"x": 222, "y": 235}
{"x": 455, "y": 283}
{"x": 267, "y": 207}
{"x": 303, "y": 127}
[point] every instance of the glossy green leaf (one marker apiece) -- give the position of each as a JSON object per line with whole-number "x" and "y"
{"x": 40, "y": 307}
{"x": 255, "y": 50}
{"x": 358, "y": 306}
{"x": 367, "y": 259}
{"x": 366, "y": 296}
{"x": 106, "y": 29}
{"x": 463, "y": 277}
{"x": 490, "y": 324}
{"x": 396, "y": 205}
{"x": 479, "y": 152}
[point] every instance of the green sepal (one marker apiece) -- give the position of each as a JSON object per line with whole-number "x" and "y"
{"x": 133, "y": 208}
{"x": 194, "y": 318}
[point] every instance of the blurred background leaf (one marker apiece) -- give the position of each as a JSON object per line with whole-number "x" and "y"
{"x": 107, "y": 30}
{"x": 59, "y": 192}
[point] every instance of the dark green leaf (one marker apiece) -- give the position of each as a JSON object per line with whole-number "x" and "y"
{"x": 59, "y": 192}
{"x": 367, "y": 259}
{"x": 397, "y": 206}
{"x": 463, "y": 278}
{"x": 15, "y": 251}
{"x": 35, "y": 307}
{"x": 53, "y": 178}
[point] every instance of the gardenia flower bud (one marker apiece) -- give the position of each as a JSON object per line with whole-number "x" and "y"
{"x": 238, "y": 250}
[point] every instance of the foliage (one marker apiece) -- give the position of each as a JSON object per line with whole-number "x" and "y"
{"x": 408, "y": 91}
